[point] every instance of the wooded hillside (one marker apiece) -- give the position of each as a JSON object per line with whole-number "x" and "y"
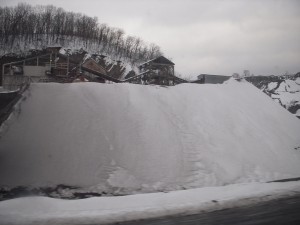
{"x": 24, "y": 26}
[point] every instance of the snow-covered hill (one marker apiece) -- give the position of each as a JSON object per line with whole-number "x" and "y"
{"x": 124, "y": 138}
{"x": 284, "y": 90}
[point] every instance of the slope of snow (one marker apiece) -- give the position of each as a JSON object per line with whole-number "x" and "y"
{"x": 286, "y": 92}
{"x": 287, "y": 99}
{"x": 124, "y": 138}
{"x": 272, "y": 86}
{"x": 288, "y": 86}
{"x": 103, "y": 210}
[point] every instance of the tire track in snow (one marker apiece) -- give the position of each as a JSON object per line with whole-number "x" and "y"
{"x": 191, "y": 157}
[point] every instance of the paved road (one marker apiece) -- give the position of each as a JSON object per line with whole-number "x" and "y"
{"x": 276, "y": 212}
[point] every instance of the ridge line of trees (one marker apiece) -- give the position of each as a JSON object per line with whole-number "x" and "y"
{"x": 26, "y": 25}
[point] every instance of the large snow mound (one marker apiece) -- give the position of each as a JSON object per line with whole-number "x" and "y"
{"x": 125, "y": 137}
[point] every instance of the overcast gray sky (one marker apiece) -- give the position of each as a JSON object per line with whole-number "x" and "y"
{"x": 205, "y": 36}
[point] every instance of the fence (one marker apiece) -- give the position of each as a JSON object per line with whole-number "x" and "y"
{"x": 15, "y": 82}
{"x": 9, "y": 99}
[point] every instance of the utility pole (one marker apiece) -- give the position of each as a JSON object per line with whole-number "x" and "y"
{"x": 2, "y": 82}
{"x": 68, "y": 60}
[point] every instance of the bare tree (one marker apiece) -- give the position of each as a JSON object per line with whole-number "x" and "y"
{"x": 49, "y": 24}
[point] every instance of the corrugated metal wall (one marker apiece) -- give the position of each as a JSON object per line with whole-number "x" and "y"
{"x": 35, "y": 71}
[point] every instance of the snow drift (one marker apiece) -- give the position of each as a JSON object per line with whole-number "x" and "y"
{"x": 130, "y": 138}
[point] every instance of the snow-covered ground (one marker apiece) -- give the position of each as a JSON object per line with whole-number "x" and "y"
{"x": 286, "y": 93}
{"x": 124, "y": 138}
{"x": 104, "y": 210}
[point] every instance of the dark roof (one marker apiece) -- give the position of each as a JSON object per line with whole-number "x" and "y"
{"x": 212, "y": 75}
{"x": 211, "y": 79}
{"x": 161, "y": 60}
{"x": 53, "y": 49}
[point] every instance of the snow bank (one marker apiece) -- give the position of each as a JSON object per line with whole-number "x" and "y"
{"x": 125, "y": 138}
{"x": 103, "y": 210}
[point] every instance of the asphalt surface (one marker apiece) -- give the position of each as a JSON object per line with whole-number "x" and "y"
{"x": 285, "y": 211}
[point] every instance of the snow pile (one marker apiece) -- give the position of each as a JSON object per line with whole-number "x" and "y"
{"x": 41, "y": 210}
{"x": 124, "y": 138}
